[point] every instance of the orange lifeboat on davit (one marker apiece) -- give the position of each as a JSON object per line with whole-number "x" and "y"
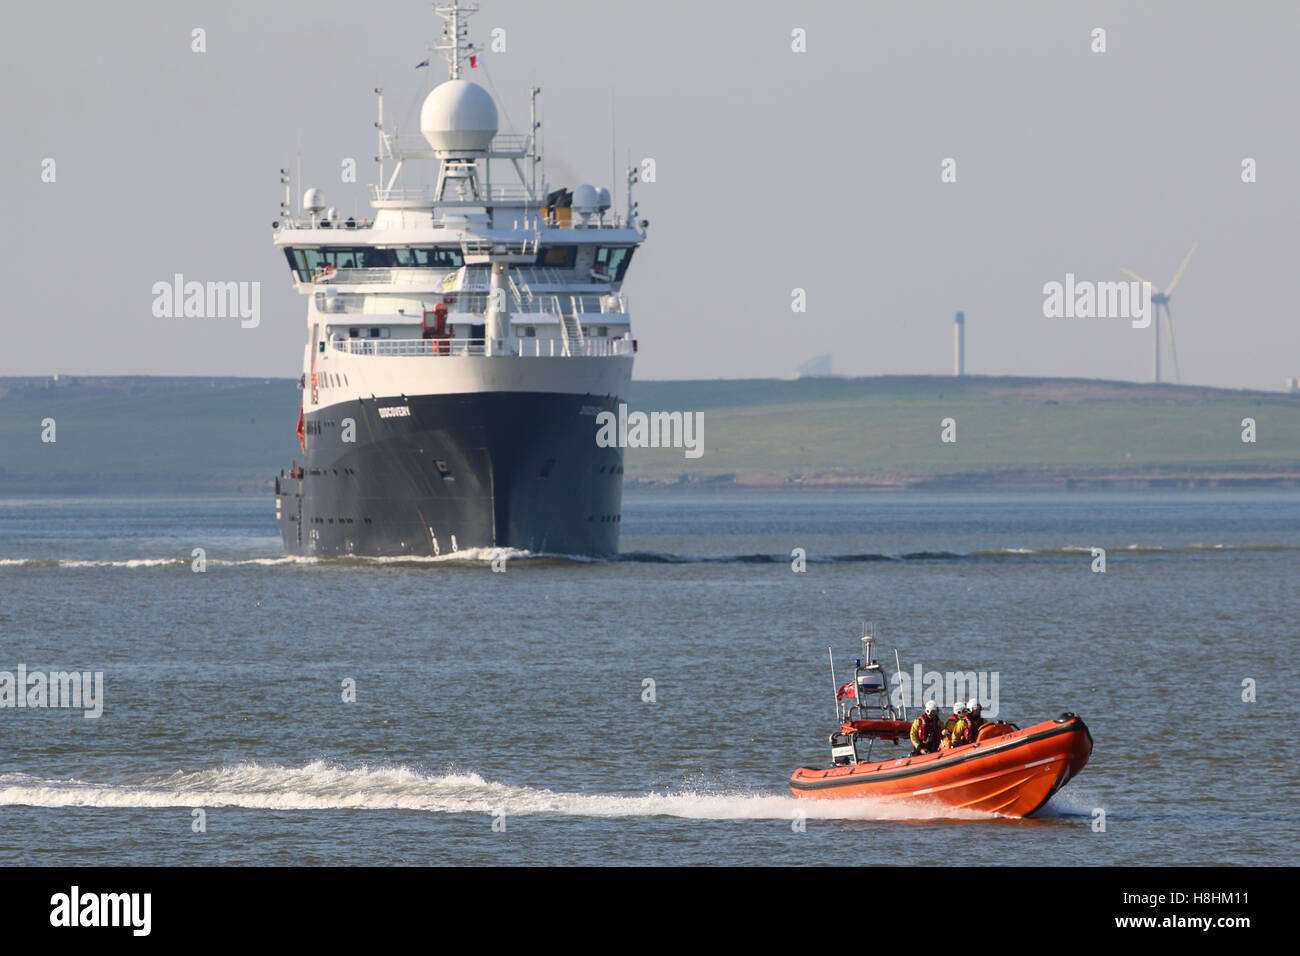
{"x": 1006, "y": 770}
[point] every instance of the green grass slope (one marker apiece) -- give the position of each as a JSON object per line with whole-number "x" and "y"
{"x": 888, "y": 430}
{"x": 178, "y": 434}
{"x": 146, "y": 433}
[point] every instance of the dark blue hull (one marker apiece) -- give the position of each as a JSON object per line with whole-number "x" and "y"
{"x": 441, "y": 473}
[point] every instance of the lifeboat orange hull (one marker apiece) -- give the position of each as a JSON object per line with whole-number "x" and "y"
{"x": 1013, "y": 774}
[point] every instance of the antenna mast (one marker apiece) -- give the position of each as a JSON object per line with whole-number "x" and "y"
{"x": 533, "y": 127}
{"x": 835, "y": 687}
{"x": 379, "y": 125}
{"x": 455, "y": 35}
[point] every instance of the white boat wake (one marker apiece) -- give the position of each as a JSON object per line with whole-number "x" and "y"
{"x": 324, "y": 786}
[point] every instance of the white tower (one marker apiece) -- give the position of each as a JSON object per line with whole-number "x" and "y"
{"x": 959, "y": 344}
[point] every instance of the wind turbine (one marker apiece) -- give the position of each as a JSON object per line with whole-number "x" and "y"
{"x": 1160, "y": 299}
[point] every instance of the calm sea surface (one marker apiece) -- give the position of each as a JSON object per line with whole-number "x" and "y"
{"x": 516, "y": 698}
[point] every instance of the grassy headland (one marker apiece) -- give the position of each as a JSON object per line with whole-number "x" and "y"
{"x": 184, "y": 434}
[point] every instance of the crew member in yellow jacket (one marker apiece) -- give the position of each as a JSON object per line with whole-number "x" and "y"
{"x": 925, "y": 730}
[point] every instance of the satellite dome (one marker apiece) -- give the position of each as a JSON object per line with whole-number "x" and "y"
{"x": 458, "y": 117}
{"x": 313, "y": 200}
{"x": 585, "y": 200}
{"x": 602, "y": 199}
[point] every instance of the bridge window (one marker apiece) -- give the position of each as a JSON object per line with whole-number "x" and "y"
{"x": 428, "y": 257}
{"x": 308, "y": 260}
{"x": 440, "y": 258}
{"x": 371, "y": 258}
{"x": 615, "y": 259}
{"x": 343, "y": 257}
{"x": 557, "y": 257}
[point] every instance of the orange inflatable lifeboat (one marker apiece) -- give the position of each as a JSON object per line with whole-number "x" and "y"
{"x": 1006, "y": 770}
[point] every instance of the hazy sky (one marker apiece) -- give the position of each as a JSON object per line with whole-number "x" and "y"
{"x": 776, "y": 170}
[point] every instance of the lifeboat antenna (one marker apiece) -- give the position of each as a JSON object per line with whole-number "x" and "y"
{"x": 868, "y": 635}
{"x": 898, "y": 675}
{"x": 835, "y": 690}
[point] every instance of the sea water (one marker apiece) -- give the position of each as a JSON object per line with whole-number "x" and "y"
{"x": 645, "y": 709}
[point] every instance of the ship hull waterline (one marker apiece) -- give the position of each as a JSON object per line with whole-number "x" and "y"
{"x": 433, "y": 475}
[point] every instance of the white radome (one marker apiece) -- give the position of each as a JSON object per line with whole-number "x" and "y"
{"x": 585, "y": 200}
{"x": 458, "y": 117}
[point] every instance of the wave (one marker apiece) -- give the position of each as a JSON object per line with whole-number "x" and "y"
{"x": 486, "y": 555}
{"x": 473, "y": 555}
{"x": 324, "y": 786}
{"x": 651, "y": 557}
{"x": 1068, "y": 803}
{"x": 66, "y": 563}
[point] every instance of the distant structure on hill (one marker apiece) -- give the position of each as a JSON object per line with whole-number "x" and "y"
{"x": 959, "y": 344}
{"x": 1160, "y": 299}
{"x": 819, "y": 367}
{"x": 1293, "y": 384}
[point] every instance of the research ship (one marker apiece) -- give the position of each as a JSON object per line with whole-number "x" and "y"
{"x": 461, "y": 343}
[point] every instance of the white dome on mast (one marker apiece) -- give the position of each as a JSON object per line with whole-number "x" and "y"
{"x": 458, "y": 118}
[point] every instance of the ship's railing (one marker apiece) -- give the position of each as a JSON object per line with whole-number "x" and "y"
{"x": 547, "y": 347}
{"x": 361, "y": 277}
{"x": 537, "y": 275}
{"x": 330, "y": 225}
{"x": 416, "y": 146}
{"x": 540, "y": 347}
{"x": 359, "y": 346}
{"x": 423, "y": 196}
{"x": 509, "y": 143}
{"x": 558, "y": 304}
{"x": 427, "y": 194}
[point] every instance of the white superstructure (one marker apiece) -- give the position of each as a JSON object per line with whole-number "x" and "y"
{"x": 529, "y": 277}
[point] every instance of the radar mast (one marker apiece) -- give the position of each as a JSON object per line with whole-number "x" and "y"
{"x": 455, "y": 42}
